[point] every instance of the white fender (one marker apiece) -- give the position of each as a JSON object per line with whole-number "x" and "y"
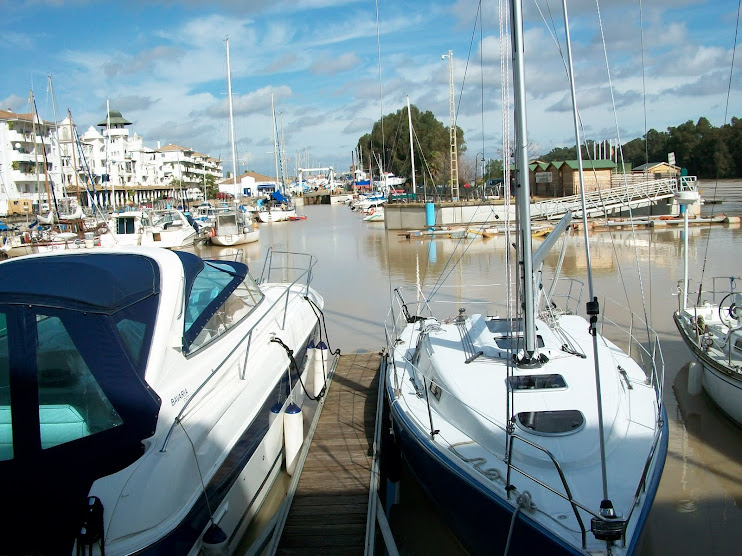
{"x": 293, "y": 435}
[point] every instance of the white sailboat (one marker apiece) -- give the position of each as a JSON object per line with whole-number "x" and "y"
{"x": 278, "y": 208}
{"x": 709, "y": 319}
{"x": 232, "y": 227}
{"x": 530, "y": 430}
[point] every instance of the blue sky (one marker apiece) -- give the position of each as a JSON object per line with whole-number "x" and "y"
{"x": 163, "y": 65}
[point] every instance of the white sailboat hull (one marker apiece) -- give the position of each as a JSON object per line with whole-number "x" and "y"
{"x": 719, "y": 356}
{"x": 450, "y": 418}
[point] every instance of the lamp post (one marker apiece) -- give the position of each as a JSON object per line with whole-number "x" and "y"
{"x": 452, "y": 129}
{"x": 476, "y": 166}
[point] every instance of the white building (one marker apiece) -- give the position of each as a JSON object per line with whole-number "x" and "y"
{"x": 29, "y": 159}
{"x": 249, "y": 184}
{"x": 109, "y": 164}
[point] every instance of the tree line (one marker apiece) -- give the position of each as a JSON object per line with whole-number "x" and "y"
{"x": 704, "y": 150}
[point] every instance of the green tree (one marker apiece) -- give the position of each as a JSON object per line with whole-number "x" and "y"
{"x": 560, "y": 153}
{"x": 432, "y": 145}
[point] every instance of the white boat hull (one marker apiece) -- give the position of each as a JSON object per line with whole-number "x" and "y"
{"x": 722, "y": 379}
{"x": 439, "y": 387}
{"x": 230, "y": 240}
{"x": 273, "y": 215}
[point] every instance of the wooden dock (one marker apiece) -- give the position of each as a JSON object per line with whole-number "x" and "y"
{"x": 328, "y": 512}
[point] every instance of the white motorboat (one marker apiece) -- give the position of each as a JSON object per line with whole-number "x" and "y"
{"x": 204, "y": 215}
{"x": 528, "y": 428}
{"x": 157, "y": 228}
{"x": 145, "y": 395}
{"x": 234, "y": 227}
{"x": 709, "y": 318}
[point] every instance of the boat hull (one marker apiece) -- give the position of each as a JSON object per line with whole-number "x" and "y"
{"x": 235, "y": 239}
{"x": 267, "y": 216}
{"x": 721, "y": 383}
{"x": 478, "y": 518}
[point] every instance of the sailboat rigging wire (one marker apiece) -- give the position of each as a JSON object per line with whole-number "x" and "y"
{"x": 592, "y": 299}
{"x": 468, "y": 57}
{"x": 481, "y": 84}
{"x": 441, "y": 278}
{"x": 200, "y": 474}
{"x": 505, "y": 83}
{"x": 716, "y": 183}
{"x": 555, "y": 38}
{"x": 644, "y": 86}
{"x": 626, "y": 184}
{"x": 381, "y": 89}
{"x": 371, "y": 174}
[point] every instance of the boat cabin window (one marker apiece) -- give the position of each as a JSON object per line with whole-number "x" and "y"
{"x": 219, "y": 300}
{"x": 125, "y": 225}
{"x": 71, "y": 403}
{"x": 536, "y": 382}
{"x": 551, "y": 422}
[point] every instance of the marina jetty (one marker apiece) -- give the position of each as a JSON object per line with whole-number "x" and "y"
{"x": 331, "y": 506}
{"x": 643, "y": 198}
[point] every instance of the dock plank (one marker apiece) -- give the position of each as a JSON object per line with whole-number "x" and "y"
{"x": 328, "y": 513}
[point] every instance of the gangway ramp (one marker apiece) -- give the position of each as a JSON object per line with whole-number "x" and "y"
{"x": 606, "y": 202}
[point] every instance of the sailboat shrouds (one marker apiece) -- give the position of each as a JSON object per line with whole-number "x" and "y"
{"x": 534, "y": 433}
{"x": 149, "y": 400}
{"x": 709, "y": 318}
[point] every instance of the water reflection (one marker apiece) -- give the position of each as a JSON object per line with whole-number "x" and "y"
{"x": 697, "y": 506}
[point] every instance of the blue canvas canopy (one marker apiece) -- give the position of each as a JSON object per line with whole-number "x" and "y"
{"x": 278, "y": 197}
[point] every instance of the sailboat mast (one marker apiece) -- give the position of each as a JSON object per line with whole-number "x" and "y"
{"x": 74, "y": 158}
{"x": 108, "y": 162}
{"x": 275, "y": 140}
{"x": 231, "y": 121}
{"x": 412, "y": 152}
{"x": 34, "y": 116}
{"x": 56, "y": 133}
{"x": 31, "y": 105}
{"x": 523, "y": 187}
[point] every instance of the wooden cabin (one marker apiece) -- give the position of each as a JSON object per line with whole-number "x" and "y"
{"x": 561, "y": 178}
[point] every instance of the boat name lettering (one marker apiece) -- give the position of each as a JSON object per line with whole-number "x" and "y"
{"x": 182, "y": 395}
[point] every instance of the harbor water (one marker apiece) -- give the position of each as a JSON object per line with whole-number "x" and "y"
{"x": 359, "y": 263}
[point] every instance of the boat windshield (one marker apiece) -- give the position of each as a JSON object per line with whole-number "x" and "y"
{"x": 223, "y": 293}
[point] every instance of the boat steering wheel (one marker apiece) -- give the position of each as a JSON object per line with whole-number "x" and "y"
{"x": 730, "y": 309}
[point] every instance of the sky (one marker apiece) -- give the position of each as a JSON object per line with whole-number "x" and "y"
{"x": 333, "y": 67}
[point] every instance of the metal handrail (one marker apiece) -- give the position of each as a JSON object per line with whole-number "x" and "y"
{"x": 568, "y": 497}
{"x": 238, "y": 343}
{"x": 601, "y": 201}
